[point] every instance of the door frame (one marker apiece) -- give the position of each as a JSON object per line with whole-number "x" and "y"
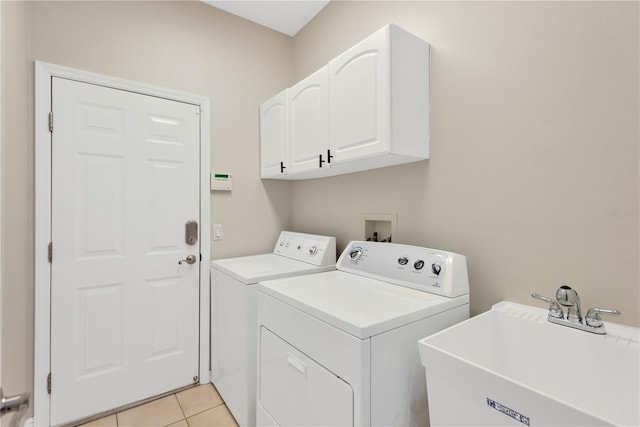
{"x": 42, "y": 345}
{"x": 1, "y": 194}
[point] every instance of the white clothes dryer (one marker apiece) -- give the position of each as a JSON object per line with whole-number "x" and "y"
{"x": 233, "y": 311}
{"x": 340, "y": 348}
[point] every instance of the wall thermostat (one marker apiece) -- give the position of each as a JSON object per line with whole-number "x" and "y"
{"x": 221, "y": 182}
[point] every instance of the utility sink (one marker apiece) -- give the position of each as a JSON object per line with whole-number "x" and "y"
{"x": 510, "y": 366}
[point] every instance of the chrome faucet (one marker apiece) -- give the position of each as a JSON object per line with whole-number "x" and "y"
{"x": 569, "y": 298}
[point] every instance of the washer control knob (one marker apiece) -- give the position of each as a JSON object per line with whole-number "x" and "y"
{"x": 355, "y": 254}
{"x": 403, "y": 260}
{"x": 418, "y": 264}
{"x": 313, "y": 250}
{"x": 436, "y": 268}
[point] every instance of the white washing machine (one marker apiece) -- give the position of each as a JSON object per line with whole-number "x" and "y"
{"x": 340, "y": 348}
{"x": 233, "y": 311}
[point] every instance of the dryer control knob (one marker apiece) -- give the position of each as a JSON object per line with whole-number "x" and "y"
{"x": 313, "y": 250}
{"x": 418, "y": 264}
{"x": 436, "y": 268}
{"x": 355, "y": 254}
{"x": 403, "y": 260}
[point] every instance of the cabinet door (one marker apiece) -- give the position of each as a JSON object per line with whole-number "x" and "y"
{"x": 273, "y": 136}
{"x": 308, "y": 122}
{"x": 359, "y": 99}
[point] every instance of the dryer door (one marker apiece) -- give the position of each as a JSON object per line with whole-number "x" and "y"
{"x": 296, "y": 391}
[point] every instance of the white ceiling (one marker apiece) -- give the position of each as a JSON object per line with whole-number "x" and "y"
{"x": 285, "y": 16}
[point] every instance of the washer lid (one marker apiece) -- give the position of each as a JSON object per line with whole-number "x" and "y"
{"x": 361, "y": 306}
{"x": 253, "y": 269}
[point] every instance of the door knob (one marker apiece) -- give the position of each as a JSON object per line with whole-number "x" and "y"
{"x": 13, "y": 403}
{"x": 191, "y": 259}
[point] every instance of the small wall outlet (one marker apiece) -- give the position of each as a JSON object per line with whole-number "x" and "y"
{"x": 217, "y": 231}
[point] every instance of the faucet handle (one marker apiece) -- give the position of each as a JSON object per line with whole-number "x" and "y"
{"x": 593, "y": 316}
{"x": 554, "y": 308}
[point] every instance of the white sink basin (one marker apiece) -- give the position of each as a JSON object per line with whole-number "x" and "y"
{"x": 510, "y": 366}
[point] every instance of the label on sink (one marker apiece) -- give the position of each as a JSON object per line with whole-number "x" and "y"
{"x": 508, "y": 411}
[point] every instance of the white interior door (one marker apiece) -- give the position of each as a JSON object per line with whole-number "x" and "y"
{"x": 124, "y": 312}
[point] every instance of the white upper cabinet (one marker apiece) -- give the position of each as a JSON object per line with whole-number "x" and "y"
{"x": 379, "y": 102}
{"x": 308, "y": 123}
{"x": 377, "y": 114}
{"x": 273, "y": 137}
{"x": 359, "y": 93}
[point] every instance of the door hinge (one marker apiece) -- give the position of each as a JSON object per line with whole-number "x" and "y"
{"x": 50, "y": 121}
{"x": 50, "y": 252}
{"x": 49, "y": 383}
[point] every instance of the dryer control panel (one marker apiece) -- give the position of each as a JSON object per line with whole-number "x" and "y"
{"x": 430, "y": 270}
{"x": 314, "y": 249}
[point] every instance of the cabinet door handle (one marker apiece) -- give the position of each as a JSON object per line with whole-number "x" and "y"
{"x": 321, "y": 161}
{"x": 282, "y": 167}
{"x": 329, "y": 156}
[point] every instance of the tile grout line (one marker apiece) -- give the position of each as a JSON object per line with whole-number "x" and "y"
{"x": 186, "y": 419}
{"x": 181, "y": 409}
{"x": 208, "y": 409}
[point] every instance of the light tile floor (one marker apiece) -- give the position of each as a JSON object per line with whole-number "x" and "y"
{"x": 196, "y": 407}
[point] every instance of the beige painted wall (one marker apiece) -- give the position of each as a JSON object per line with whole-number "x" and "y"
{"x": 17, "y": 203}
{"x": 534, "y": 146}
{"x": 187, "y": 46}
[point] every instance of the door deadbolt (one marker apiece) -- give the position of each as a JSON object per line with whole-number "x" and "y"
{"x": 191, "y": 259}
{"x": 191, "y": 232}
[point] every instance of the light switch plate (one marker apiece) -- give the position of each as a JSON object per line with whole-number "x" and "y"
{"x": 217, "y": 231}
